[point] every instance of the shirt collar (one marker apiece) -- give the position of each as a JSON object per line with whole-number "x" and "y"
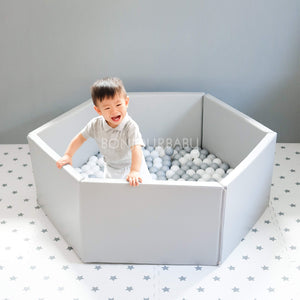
{"x": 120, "y": 127}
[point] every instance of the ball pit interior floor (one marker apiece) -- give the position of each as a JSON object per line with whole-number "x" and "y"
{"x": 36, "y": 262}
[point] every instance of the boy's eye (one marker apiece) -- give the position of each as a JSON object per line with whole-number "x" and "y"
{"x": 107, "y": 108}
{"x": 119, "y": 104}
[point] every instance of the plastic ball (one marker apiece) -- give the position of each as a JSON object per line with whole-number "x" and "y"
{"x": 195, "y": 153}
{"x": 93, "y": 158}
{"x": 197, "y": 161}
{"x": 175, "y": 177}
{"x": 229, "y": 171}
{"x": 157, "y": 165}
{"x": 150, "y": 148}
{"x": 170, "y": 173}
{"x": 160, "y": 173}
{"x": 189, "y": 163}
{"x": 165, "y": 168}
{"x": 149, "y": 164}
{"x": 224, "y": 166}
{"x": 148, "y": 158}
{"x": 209, "y": 171}
{"x": 166, "y": 158}
{"x": 185, "y": 168}
{"x": 182, "y": 152}
{"x": 217, "y": 161}
{"x": 154, "y": 176}
{"x": 190, "y": 172}
{"x": 220, "y": 172}
{"x": 146, "y": 152}
{"x": 166, "y": 163}
{"x": 154, "y": 154}
{"x": 180, "y": 172}
{"x": 196, "y": 176}
{"x": 85, "y": 168}
{"x": 185, "y": 177}
{"x": 202, "y": 156}
{"x": 200, "y": 172}
{"x": 153, "y": 169}
{"x": 204, "y": 151}
{"x": 177, "y": 148}
{"x": 188, "y": 156}
{"x": 187, "y": 148}
{"x": 207, "y": 161}
{"x": 175, "y": 168}
{"x": 194, "y": 167}
{"x": 175, "y": 163}
{"x": 157, "y": 160}
{"x": 214, "y": 166}
{"x": 211, "y": 157}
{"x": 206, "y": 177}
{"x": 169, "y": 150}
{"x": 161, "y": 178}
{"x": 183, "y": 160}
{"x": 99, "y": 174}
{"x": 177, "y": 156}
{"x": 217, "y": 177}
{"x": 204, "y": 166}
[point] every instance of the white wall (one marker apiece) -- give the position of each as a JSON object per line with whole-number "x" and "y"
{"x": 246, "y": 53}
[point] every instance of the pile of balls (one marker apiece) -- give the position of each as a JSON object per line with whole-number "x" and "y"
{"x": 168, "y": 163}
{"x": 184, "y": 164}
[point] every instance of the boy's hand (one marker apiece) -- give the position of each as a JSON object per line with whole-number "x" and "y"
{"x": 66, "y": 159}
{"x": 134, "y": 178}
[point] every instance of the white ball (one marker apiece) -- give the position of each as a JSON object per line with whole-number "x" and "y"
{"x": 190, "y": 172}
{"x": 211, "y": 157}
{"x": 146, "y": 152}
{"x": 217, "y": 176}
{"x": 229, "y": 171}
{"x": 200, "y": 172}
{"x": 93, "y": 158}
{"x": 175, "y": 168}
{"x": 95, "y": 168}
{"x": 170, "y": 173}
{"x": 157, "y": 165}
{"x": 197, "y": 161}
{"x": 206, "y": 177}
{"x": 217, "y": 161}
{"x": 154, "y": 154}
{"x": 209, "y": 171}
{"x": 154, "y": 176}
{"x": 157, "y": 160}
{"x": 183, "y": 160}
{"x": 195, "y": 153}
{"x": 207, "y": 161}
{"x": 85, "y": 168}
{"x": 220, "y": 172}
{"x": 188, "y": 157}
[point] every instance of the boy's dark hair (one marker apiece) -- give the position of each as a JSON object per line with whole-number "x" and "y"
{"x": 107, "y": 88}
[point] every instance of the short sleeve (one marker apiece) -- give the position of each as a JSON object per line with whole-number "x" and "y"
{"x": 134, "y": 135}
{"x": 89, "y": 129}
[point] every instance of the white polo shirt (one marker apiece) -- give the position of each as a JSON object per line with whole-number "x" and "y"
{"x": 115, "y": 143}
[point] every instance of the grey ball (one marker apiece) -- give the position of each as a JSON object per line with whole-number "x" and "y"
{"x": 185, "y": 167}
{"x": 189, "y": 163}
{"x": 177, "y": 156}
{"x": 185, "y": 177}
{"x": 175, "y": 163}
{"x": 153, "y": 170}
{"x": 169, "y": 150}
{"x": 187, "y": 149}
{"x": 204, "y": 151}
{"x": 180, "y": 172}
{"x": 175, "y": 176}
{"x": 194, "y": 167}
{"x": 196, "y": 176}
{"x": 214, "y": 166}
{"x": 149, "y": 164}
{"x": 202, "y": 156}
{"x": 204, "y": 166}
{"x": 224, "y": 166}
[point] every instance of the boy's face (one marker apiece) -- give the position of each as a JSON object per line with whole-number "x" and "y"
{"x": 113, "y": 109}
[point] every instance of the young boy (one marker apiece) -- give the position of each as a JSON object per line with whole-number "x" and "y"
{"x": 117, "y": 135}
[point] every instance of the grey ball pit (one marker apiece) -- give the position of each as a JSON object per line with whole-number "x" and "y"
{"x": 159, "y": 222}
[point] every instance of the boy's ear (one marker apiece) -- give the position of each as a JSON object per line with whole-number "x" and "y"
{"x": 97, "y": 110}
{"x": 126, "y": 101}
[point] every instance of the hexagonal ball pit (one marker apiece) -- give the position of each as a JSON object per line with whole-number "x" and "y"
{"x": 159, "y": 222}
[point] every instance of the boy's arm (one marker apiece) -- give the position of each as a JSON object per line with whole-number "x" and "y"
{"x": 136, "y": 160}
{"x": 76, "y": 142}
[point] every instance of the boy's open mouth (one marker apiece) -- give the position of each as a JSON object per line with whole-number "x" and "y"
{"x": 117, "y": 118}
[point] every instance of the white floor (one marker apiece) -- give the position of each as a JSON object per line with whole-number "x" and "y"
{"x": 36, "y": 263}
